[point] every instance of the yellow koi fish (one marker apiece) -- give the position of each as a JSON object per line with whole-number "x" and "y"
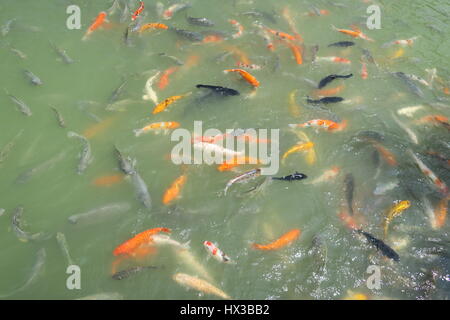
{"x": 395, "y": 211}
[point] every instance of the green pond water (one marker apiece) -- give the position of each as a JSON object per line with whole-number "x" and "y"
{"x": 327, "y": 260}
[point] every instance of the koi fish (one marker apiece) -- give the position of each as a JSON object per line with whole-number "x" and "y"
{"x": 342, "y": 44}
{"x": 292, "y": 177}
{"x": 294, "y": 108}
{"x": 286, "y": 13}
{"x": 435, "y": 119}
{"x": 409, "y": 111}
{"x": 150, "y": 94}
{"x": 297, "y": 148}
{"x": 332, "y": 77}
{"x": 386, "y": 154}
{"x": 219, "y": 90}
{"x": 243, "y": 177}
{"x": 99, "y": 20}
{"x": 380, "y": 245}
{"x": 334, "y": 59}
{"x": 329, "y": 92}
{"x": 241, "y": 55}
{"x": 120, "y": 275}
{"x": 152, "y": 26}
{"x": 397, "y": 54}
{"x": 157, "y": 126}
{"x": 138, "y": 11}
{"x": 107, "y": 181}
{"x": 164, "y": 104}
{"x": 99, "y": 127}
{"x": 321, "y": 123}
{"x": 248, "y": 66}
{"x": 326, "y": 176}
{"x": 440, "y": 185}
{"x": 247, "y": 76}
{"x": 410, "y": 133}
{"x": 199, "y": 285}
{"x": 281, "y": 242}
{"x": 325, "y": 100}
{"x": 348, "y": 220}
{"x": 86, "y": 153}
{"x": 20, "y": 104}
{"x": 169, "y": 13}
{"x": 406, "y": 42}
{"x": 349, "y": 186}
{"x": 395, "y": 211}
{"x": 164, "y": 79}
{"x": 353, "y": 33}
{"x": 230, "y": 164}
{"x": 440, "y": 212}
{"x": 239, "y": 29}
{"x": 297, "y": 51}
{"x": 162, "y": 239}
{"x": 174, "y": 190}
{"x": 139, "y": 239}
{"x": 364, "y": 73}
{"x": 266, "y": 36}
{"x": 284, "y": 35}
{"x": 216, "y": 252}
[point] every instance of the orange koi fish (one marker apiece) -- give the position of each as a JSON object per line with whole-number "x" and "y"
{"x": 157, "y": 126}
{"x": 297, "y": 51}
{"x": 333, "y": 59}
{"x": 212, "y": 38}
{"x": 435, "y": 119}
{"x": 239, "y": 29}
{"x": 241, "y": 55}
{"x": 321, "y": 123}
{"x": 286, "y": 13}
{"x": 99, "y": 20}
{"x": 153, "y": 25}
{"x": 99, "y": 127}
{"x": 164, "y": 104}
{"x": 297, "y": 148}
{"x": 107, "y": 181}
{"x": 364, "y": 73}
{"x": 247, "y": 76}
{"x": 385, "y": 153}
{"x": 283, "y": 241}
{"x": 440, "y": 212}
{"x": 230, "y": 164}
{"x": 164, "y": 79}
{"x": 284, "y": 35}
{"x": 348, "y": 220}
{"x": 138, "y": 11}
{"x": 354, "y": 33}
{"x": 440, "y": 185}
{"x": 141, "y": 238}
{"x": 328, "y": 92}
{"x": 174, "y": 190}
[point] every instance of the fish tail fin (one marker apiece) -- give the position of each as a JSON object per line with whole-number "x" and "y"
{"x": 333, "y": 27}
{"x": 256, "y": 246}
{"x": 137, "y": 132}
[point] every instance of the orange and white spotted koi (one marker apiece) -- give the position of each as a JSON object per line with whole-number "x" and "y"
{"x": 333, "y": 59}
{"x": 364, "y": 72}
{"x": 216, "y": 252}
{"x": 440, "y": 185}
{"x": 138, "y": 11}
{"x": 248, "y": 66}
{"x": 404, "y": 42}
{"x": 157, "y": 127}
{"x": 322, "y": 124}
{"x": 326, "y": 176}
{"x": 239, "y": 29}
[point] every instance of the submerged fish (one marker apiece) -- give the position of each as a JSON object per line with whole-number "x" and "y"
{"x": 439, "y": 184}
{"x": 150, "y": 94}
{"x": 35, "y": 272}
{"x": 222, "y": 91}
{"x": 332, "y": 77}
{"x": 216, "y": 253}
{"x": 380, "y": 245}
{"x": 101, "y": 212}
{"x": 62, "y": 53}
{"x": 349, "y": 186}
{"x": 189, "y": 35}
{"x": 415, "y": 89}
{"x": 342, "y": 44}
{"x": 21, "y": 105}
{"x": 141, "y": 238}
{"x": 126, "y": 163}
{"x": 120, "y": 275}
{"x": 203, "y": 22}
{"x": 292, "y": 177}
{"x": 199, "y": 284}
{"x": 59, "y": 117}
{"x": 243, "y": 177}
{"x": 86, "y": 153}
{"x": 62, "y": 242}
{"x": 302, "y": 146}
{"x": 7, "y": 27}
{"x": 26, "y": 175}
{"x": 23, "y": 235}
{"x": 325, "y": 100}
{"x": 4, "y": 152}
{"x": 141, "y": 190}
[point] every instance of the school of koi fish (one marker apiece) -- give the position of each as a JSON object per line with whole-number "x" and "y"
{"x": 88, "y": 178}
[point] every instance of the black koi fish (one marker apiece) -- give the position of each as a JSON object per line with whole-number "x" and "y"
{"x": 332, "y": 77}
{"x": 292, "y": 177}
{"x": 342, "y": 44}
{"x": 325, "y": 100}
{"x": 219, "y": 90}
{"x": 380, "y": 245}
